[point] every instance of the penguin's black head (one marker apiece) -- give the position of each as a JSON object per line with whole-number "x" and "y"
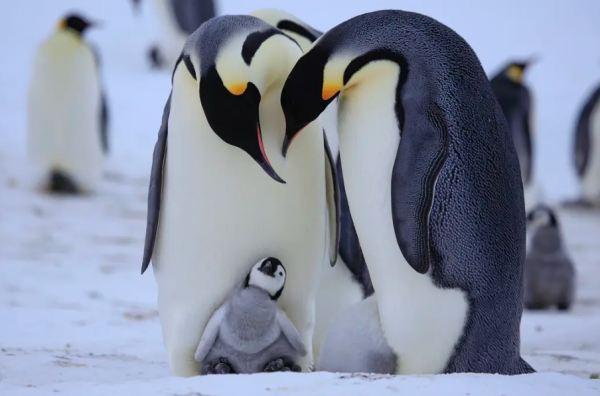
{"x": 76, "y": 23}
{"x": 268, "y": 274}
{"x": 237, "y": 60}
{"x": 542, "y": 215}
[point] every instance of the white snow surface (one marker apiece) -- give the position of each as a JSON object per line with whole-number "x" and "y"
{"x": 76, "y": 316}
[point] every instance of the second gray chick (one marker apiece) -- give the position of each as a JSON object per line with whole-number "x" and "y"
{"x": 549, "y": 271}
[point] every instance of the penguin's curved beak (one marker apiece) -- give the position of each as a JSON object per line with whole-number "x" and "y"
{"x": 265, "y": 164}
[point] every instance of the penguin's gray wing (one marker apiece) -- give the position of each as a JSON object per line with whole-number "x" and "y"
{"x": 190, "y": 14}
{"x": 422, "y": 152}
{"x": 526, "y": 130}
{"x": 350, "y": 250}
{"x": 155, "y": 187}
{"x": 211, "y": 331}
{"x": 582, "y": 133}
{"x": 104, "y": 105}
{"x": 290, "y": 332}
{"x": 333, "y": 202}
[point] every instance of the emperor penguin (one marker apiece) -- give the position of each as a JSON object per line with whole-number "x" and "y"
{"x": 220, "y": 192}
{"x": 347, "y": 282}
{"x": 549, "y": 270}
{"x": 586, "y": 156}
{"x": 177, "y": 20}
{"x": 516, "y": 102}
{"x": 248, "y": 333}
{"x": 67, "y": 113}
{"x": 433, "y": 185}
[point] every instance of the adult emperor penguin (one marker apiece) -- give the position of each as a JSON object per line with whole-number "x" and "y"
{"x": 177, "y": 20}
{"x": 217, "y": 198}
{"x": 517, "y": 105}
{"x": 67, "y": 111}
{"x": 433, "y": 185}
{"x": 348, "y": 281}
{"x": 586, "y": 156}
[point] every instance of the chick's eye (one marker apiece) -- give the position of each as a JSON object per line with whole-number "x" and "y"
{"x": 281, "y": 273}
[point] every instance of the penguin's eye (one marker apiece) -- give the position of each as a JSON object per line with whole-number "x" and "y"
{"x": 281, "y": 274}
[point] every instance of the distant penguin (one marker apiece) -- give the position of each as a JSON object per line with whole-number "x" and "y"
{"x": 516, "y": 102}
{"x": 248, "y": 333}
{"x": 549, "y": 271}
{"x": 177, "y": 19}
{"x": 433, "y": 186}
{"x": 355, "y": 342}
{"x": 347, "y": 282}
{"x": 220, "y": 192}
{"x": 586, "y": 156}
{"x": 67, "y": 112}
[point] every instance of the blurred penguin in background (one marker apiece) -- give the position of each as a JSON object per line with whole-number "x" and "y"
{"x": 177, "y": 19}
{"x": 516, "y": 103}
{"x": 67, "y": 114}
{"x": 586, "y": 154}
{"x": 549, "y": 271}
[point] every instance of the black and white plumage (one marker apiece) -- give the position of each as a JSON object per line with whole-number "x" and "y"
{"x": 249, "y": 333}
{"x": 549, "y": 271}
{"x": 433, "y": 184}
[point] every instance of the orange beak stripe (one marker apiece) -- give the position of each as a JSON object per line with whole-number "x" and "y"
{"x": 238, "y": 89}
{"x": 329, "y": 90}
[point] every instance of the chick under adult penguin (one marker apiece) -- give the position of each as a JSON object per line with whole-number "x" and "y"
{"x": 220, "y": 192}
{"x": 549, "y": 271}
{"x": 348, "y": 281}
{"x": 517, "y": 105}
{"x": 67, "y": 112}
{"x": 177, "y": 20}
{"x": 433, "y": 186}
{"x": 586, "y": 153}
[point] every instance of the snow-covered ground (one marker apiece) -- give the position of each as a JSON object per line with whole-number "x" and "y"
{"x": 76, "y": 316}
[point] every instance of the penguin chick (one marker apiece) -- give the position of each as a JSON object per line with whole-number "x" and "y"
{"x": 355, "y": 342}
{"x": 249, "y": 333}
{"x": 549, "y": 271}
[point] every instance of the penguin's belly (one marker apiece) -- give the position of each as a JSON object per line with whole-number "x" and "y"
{"x": 422, "y": 323}
{"x": 590, "y": 183}
{"x": 64, "y": 112}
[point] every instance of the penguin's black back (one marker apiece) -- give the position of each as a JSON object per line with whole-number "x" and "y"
{"x": 477, "y": 220}
{"x": 190, "y": 14}
{"x": 515, "y": 102}
{"x": 583, "y": 140}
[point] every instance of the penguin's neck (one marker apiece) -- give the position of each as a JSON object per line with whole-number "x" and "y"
{"x": 252, "y": 310}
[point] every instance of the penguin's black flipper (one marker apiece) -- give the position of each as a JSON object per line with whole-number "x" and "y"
{"x": 582, "y": 134}
{"x": 190, "y": 14}
{"x": 422, "y": 152}
{"x": 350, "y": 250}
{"x": 333, "y": 202}
{"x": 104, "y": 105}
{"x": 155, "y": 187}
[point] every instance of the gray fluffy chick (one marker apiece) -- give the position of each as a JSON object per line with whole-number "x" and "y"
{"x": 249, "y": 333}
{"x": 549, "y": 271}
{"x": 355, "y": 343}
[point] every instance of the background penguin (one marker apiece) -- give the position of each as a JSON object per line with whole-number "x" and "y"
{"x": 67, "y": 111}
{"x": 223, "y": 126}
{"x": 177, "y": 19}
{"x": 347, "y": 282}
{"x": 248, "y": 333}
{"x": 586, "y": 154}
{"x": 516, "y": 102}
{"x": 446, "y": 263}
{"x": 549, "y": 271}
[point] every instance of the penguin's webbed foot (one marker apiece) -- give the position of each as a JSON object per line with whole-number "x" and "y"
{"x": 218, "y": 366}
{"x": 282, "y": 365}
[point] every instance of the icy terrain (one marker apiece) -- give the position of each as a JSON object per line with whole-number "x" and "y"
{"x": 76, "y": 316}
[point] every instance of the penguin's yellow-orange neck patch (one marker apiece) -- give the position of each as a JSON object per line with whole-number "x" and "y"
{"x": 62, "y": 24}
{"x": 237, "y": 88}
{"x": 330, "y": 89}
{"x": 515, "y": 73}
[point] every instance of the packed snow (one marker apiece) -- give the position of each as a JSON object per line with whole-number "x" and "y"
{"x": 76, "y": 316}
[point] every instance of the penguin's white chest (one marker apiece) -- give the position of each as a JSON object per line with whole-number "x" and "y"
{"x": 64, "y": 111}
{"x": 590, "y": 183}
{"x": 421, "y": 322}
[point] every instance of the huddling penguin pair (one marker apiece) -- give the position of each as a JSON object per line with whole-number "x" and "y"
{"x": 243, "y": 169}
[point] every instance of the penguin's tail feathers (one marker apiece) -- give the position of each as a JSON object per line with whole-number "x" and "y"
{"x": 62, "y": 183}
